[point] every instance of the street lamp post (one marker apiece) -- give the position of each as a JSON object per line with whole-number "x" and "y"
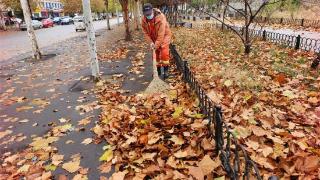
{"x": 91, "y": 38}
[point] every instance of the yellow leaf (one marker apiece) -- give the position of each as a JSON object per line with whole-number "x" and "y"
{"x": 50, "y": 167}
{"x": 24, "y": 168}
{"x": 177, "y": 112}
{"x": 107, "y": 156}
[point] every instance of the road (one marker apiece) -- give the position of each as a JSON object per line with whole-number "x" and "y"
{"x": 17, "y": 42}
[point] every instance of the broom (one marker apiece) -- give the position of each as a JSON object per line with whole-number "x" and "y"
{"x": 157, "y": 85}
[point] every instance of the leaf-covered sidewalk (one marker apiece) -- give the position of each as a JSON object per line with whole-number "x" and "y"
{"x": 48, "y": 109}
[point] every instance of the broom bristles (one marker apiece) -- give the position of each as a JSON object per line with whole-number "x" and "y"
{"x": 157, "y": 86}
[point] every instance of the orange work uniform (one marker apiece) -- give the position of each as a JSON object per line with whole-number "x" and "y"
{"x": 157, "y": 31}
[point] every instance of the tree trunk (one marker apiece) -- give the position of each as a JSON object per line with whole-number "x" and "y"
{"x": 136, "y": 14}
{"x": 107, "y": 10}
{"x": 2, "y": 22}
{"x": 247, "y": 48}
{"x": 247, "y": 43}
{"x": 36, "y": 54}
{"x": 91, "y": 38}
{"x": 124, "y": 5}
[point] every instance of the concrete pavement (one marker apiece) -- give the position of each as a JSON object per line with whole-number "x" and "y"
{"x": 17, "y": 42}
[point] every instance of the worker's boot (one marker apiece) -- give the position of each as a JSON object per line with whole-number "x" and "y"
{"x": 159, "y": 72}
{"x": 166, "y": 72}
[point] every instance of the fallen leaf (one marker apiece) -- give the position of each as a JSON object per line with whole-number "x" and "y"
{"x": 71, "y": 166}
{"x": 118, "y": 175}
{"x": 177, "y": 140}
{"x": 24, "y": 168}
{"x": 87, "y": 141}
{"x": 57, "y": 159}
{"x": 207, "y": 165}
{"x": 196, "y": 172}
{"x": 106, "y": 156}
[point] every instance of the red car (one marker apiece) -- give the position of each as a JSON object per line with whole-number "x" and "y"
{"x": 46, "y": 23}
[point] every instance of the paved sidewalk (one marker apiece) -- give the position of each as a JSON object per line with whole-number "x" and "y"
{"x": 37, "y": 99}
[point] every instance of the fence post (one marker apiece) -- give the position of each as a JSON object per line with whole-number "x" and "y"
{"x": 302, "y": 22}
{"x": 264, "y": 35}
{"x": 298, "y": 42}
{"x": 185, "y": 66}
{"x": 218, "y": 129}
{"x": 281, "y": 20}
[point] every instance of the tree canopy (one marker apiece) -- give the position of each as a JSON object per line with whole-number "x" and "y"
{"x": 75, "y": 6}
{"x": 15, "y": 4}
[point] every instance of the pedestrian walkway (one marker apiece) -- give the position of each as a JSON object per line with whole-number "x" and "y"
{"x": 49, "y": 108}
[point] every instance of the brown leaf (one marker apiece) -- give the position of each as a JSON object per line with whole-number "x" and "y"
{"x": 258, "y": 131}
{"x": 207, "y": 144}
{"x": 196, "y": 172}
{"x": 71, "y": 166}
{"x": 207, "y": 165}
{"x": 178, "y": 175}
{"x": 119, "y": 175}
{"x": 105, "y": 167}
{"x": 143, "y": 139}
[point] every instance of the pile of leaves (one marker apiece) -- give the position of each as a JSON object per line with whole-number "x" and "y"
{"x": 160, "y": 136}
{"x": 270, "y": 99}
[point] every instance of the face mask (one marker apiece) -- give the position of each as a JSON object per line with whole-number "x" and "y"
{"x": 150, "y": 17}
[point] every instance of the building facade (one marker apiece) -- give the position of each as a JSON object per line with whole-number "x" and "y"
{"x": 49, "y": 9}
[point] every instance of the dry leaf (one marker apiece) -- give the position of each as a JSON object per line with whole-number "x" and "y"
{"x": 71, "y": 166}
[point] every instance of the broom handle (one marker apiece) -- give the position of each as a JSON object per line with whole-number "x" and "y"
{"x": 155, "y": 72}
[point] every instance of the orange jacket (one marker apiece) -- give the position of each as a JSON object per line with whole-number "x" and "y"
{"x": 159, "y": 29}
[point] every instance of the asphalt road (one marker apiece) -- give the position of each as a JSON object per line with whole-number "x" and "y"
{"x": 13, "y": 43}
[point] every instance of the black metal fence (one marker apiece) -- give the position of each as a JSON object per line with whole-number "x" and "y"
{"x": 229, "y": 157}
{"x": 289, "y": 21}
{"x": 296, "y": 42}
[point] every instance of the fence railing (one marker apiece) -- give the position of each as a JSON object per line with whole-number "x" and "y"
{"x": 289, "y": 21}
{"x": 224, "y": 138}
{"x": 296, "y": 42}
{"x": 284, "y": 21}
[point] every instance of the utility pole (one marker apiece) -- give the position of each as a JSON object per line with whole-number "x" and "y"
{"x": 36, "y": 54}
{"x": 91, "y": 38}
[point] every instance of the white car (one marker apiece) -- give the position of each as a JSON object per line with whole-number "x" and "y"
{"x": 78, "y": 23}
{"x": 35, "y": 23}
{"x": 66, "y": 20}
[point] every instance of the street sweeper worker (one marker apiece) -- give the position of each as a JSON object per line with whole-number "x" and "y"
{"x": 158, "y": 34}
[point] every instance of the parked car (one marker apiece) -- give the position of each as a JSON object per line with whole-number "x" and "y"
{"x": 46, "y": 23}
{"x": 57, "y": 20}
{"x": 66, "y": 20}
{"x": 78, "y": 23}
{"x": 35, "y": 23}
